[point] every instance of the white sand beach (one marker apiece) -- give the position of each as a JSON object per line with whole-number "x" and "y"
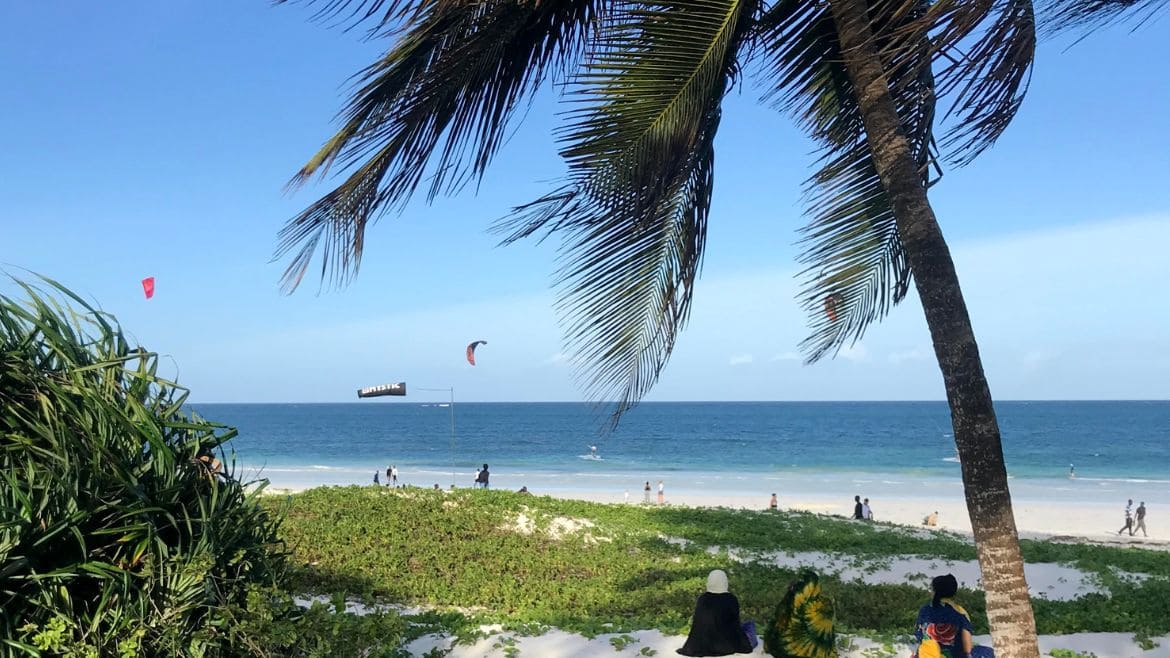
{"x": 559, "y": 644}
{"x": 1058, "y": 518}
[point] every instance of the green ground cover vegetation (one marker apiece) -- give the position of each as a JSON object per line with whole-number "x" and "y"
{"x": 530, "y": 562}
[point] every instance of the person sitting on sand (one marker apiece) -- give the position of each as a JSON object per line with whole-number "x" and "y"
{"x": 931, "y": 519}
{"x": 715, "y": 627}
{"x": 943, "y": 629}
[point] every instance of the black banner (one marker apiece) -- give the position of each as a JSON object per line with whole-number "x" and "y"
{"x": 398, "y": 388}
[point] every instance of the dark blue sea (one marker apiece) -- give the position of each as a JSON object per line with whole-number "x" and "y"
{"x": 731, "y": 446}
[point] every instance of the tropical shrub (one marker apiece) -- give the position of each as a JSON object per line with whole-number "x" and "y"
{"x": 803, "y": 624}
{"x": 121, "y": 532}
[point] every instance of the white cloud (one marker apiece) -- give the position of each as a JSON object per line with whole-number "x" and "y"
{"x": 558, "y": 359}
{"x": 787, "y": 356}
{"x": 741, "y": 359}
{"x": 855, "y": 352}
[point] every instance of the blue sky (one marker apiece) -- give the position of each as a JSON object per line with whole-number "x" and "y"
{"x": 155, "y": 139}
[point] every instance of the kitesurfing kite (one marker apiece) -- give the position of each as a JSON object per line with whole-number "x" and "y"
{"x": 148, "y": 286}
{"x": 398, "y": 388}
{"x": 831, "y": 304}
{"x": 471, "y": 350}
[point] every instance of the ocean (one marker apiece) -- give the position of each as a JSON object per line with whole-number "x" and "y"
{"x": 734, "y": 447}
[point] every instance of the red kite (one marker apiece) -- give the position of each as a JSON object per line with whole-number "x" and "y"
{"x": 831, "y": 304}
{"x": 471, "y": 350}
{"x": 148, "y": 286}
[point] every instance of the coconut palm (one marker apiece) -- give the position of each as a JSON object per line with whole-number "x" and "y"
{"x": 644, "y": 83}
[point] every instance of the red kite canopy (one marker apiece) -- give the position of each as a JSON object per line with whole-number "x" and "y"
{"x": 471, "y": 350}
{"x": 148, "y": 286}
{"x": 831, "y": 304}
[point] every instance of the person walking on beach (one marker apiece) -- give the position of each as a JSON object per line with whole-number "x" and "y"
{"x": 1140, "y": 520}
{"x": 1128, "y": 518}
{"x": 866, "y": 512}
{"x": 858, "y": 510}
{"x": 481, "y": 478}
{"x": 393, "y": 475}
{"x": 646, "y": 490}
{"x": 376, "y": 478}
{"x": 773, "y": 504}
{"x": 661, "y": 490}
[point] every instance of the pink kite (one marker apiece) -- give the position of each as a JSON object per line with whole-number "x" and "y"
{"x": 148, "y": 286}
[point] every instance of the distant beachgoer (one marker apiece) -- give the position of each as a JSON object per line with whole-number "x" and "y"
{"x": 943, "y": 627}
{"x": 866, "y": 512}
{"x": 646, "y": 490}
{"x": 1128, "y": 518}
{"x": 436, "y": 486}
{"x": 931, "y": 519}
{"x": 715, "y": 626}
{"x": 661, "y": 490}
{"x": 858, "y": 510}
{"x": 524, "y": 490}
{"x": 627, "y": 495}
{"x": 593, "y": 451}
{"x": 394, "y": 475}
{"x": 481, "y": 478}
{"x": 389, "y": 474}
{"x": 773, "y": 504}
{"x": 376, "y": 478}
{"x": 1140, "y": 520}
{"x": 1072, "y": 472}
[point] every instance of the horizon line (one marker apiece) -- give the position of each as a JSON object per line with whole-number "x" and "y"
{"x": 585, "y": 402}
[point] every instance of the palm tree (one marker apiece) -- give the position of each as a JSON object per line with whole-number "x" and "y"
{"x": 645, "y": 82}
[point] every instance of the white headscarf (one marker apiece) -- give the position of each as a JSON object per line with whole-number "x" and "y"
{"x": 717, "y": 582}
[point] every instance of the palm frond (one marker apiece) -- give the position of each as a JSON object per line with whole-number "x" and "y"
{"x": 985, "y": 48}
{"x": 379, "y": 15}
{"x": 440, "y": 102}
{"x": 633, "y": 214}
{"x": 856, "y": 270}
{"x": 1061, "y": 15}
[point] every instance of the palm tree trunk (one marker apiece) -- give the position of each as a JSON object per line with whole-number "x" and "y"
{"x": 989, "y": 503}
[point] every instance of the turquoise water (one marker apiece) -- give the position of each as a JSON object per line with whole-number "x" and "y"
{"x": 730, "y": 446}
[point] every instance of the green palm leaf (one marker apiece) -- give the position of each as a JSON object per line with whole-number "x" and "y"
{"x": 438, "y": 102}
{"x": 856, "y": 269}
{"x": 1085, "y": 14}
{"x": 855, "y": 266}
{"x": 640, "y": 150}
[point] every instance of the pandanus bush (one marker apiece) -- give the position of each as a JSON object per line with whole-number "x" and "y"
{"x": 121, "y": 532}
